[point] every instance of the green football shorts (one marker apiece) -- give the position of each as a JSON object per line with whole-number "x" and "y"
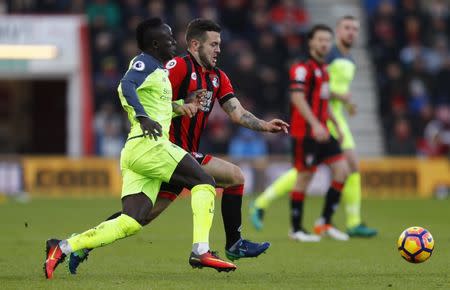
{"x": 348, "y": 141}
{"x": 146, "y": 163}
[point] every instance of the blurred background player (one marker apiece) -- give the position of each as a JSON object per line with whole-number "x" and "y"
{"x": 197, "y": 73}
{"x": 149, "y": 158}
{"x": 341, "y": 68}
{"x": 312, "y": 143}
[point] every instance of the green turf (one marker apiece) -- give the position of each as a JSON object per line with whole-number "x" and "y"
{"x": 157, "y": 257}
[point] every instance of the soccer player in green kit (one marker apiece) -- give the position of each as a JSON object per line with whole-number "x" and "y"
{"x": 342, "y": 69}
{"x": 149, "y": 158}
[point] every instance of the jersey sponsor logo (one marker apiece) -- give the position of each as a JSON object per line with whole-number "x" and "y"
{"x": 215, "y": 82}
{"x": 139, "y": 65}
{"x": 193, "y": 76}
{"x": 300, "y": 74}
{"x": 206, "y": 107}
{"x": 171, "y": 64}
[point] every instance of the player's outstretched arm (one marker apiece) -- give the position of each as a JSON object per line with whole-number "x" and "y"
{"x": 244, "y": 118}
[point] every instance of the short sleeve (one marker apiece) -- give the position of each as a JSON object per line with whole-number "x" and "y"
{"x": 298, "y": 77}
{"x": 139, "y": 69}
{"x": 226, "y": 90}
{"x": 177, "y": 69}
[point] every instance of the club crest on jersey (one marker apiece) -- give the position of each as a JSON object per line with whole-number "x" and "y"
{"x": 215, "y": 82}
{"x": 300, "y": 74}
{"x": 171, "y": 63}
{"x": 193, "y": 76}
{"x": 139, "y": 65}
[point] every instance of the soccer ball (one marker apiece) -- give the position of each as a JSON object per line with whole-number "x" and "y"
{"x": 415, "y": 244}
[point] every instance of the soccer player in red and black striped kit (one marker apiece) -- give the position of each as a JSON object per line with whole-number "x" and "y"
{"x": 312, "y": 142}
{"x": 188, "y": 75}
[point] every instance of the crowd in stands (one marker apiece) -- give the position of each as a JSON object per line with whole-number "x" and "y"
{"x": 409, "y": 42}
{"x": 260, "y": 38}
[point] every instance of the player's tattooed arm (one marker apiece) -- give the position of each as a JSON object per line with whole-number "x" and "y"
{"x": 246, "y": 119}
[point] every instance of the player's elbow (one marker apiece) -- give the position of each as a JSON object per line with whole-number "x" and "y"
{"x": 296, "y": 97}
{"x": 128, "y": 88}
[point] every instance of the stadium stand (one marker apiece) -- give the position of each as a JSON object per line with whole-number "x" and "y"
{"x": 410, "y": 47}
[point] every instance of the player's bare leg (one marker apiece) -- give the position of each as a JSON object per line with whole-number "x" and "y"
{"x": 298, "y": 232}
{"x": 324, "y": 226}
{"x": 351, "y": 195}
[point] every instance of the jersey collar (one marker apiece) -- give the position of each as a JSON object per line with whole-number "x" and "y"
{"x": 153, "y": 59}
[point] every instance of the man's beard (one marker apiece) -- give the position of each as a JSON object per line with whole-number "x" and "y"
{"x": 204, "y": 59}
{"x": 346, "y": 44}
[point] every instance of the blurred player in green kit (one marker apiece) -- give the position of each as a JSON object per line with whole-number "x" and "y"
{"x": 342, "y": 69}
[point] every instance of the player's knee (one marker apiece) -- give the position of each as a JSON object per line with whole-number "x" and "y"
{"x": 140, "y": 217}
{"x": 353, "y": 166}
{"x": 203, "y": 178}
{"x": 302, "y": 182}
{"x": 341, "y": 171}
{"x": 237, "y": 176}
{"x": 207, "y": 179}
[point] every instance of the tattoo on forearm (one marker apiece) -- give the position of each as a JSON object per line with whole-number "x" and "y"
{"x": 250, "y": 121}
{"x": 229, "y": 107}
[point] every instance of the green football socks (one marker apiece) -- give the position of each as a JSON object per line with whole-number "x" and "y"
{"x": 202, "y": 203}
{"x": 352, "y": 199}
{"x": 282, "y": 186}
{"x": 105, "y": 233}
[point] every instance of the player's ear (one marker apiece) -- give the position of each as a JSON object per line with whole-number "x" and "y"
{"x": 155, "y": 44}
{"x": 195, "y": 44}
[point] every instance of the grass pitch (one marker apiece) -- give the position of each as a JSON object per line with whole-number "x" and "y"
{"x": 157, "y": 257}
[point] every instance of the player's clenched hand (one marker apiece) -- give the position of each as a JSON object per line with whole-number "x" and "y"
{"x": 187, "y": 109}
{"x": 351, "y": 109}
{"x": 346, "y": 97}
{"x": 277, "y": 125}
{"x": 150, "y": 128}
{"x": 340, "y": 135}
{"x": 320, "y": 134}
{"x": 197, "y": 97}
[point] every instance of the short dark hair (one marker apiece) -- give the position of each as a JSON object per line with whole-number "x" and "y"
{"x": 346, "y": 17}
{"x": 317, "y": 28}
{"x": 197, "y": 28}
{"x": 144, "y": 35}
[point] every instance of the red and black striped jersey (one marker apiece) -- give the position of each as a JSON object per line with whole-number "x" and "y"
{"x": 186, "y": 76}
{"x": 311, "y": 78}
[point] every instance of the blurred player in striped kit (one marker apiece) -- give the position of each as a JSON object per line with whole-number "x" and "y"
{"x": 342, "y": 69}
